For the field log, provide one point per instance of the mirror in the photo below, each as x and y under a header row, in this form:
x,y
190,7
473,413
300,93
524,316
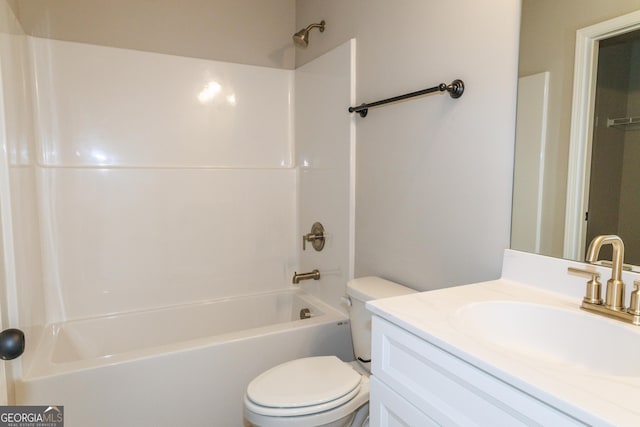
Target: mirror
x,y
545,106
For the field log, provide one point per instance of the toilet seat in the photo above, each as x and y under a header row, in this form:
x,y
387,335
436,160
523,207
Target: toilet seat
x,y
300,410
302,387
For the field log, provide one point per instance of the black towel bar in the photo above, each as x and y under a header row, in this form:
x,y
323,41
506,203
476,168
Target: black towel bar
x,y
455,89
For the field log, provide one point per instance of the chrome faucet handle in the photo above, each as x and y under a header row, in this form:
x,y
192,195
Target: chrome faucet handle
x,y
594,287
634,306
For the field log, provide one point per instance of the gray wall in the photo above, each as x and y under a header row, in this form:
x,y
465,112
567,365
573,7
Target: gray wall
x,y
434,175
255,32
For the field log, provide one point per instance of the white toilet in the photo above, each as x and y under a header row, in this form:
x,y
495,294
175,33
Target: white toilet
x,y
322,391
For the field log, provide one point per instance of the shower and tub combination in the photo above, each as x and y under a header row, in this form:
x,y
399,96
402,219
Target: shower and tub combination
x,y
154,226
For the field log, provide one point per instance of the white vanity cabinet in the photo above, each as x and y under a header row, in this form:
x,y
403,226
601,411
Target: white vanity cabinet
x,y
417,383
506,352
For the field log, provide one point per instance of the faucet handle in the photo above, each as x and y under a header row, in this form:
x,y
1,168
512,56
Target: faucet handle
x,y
634,306
592,294
316,237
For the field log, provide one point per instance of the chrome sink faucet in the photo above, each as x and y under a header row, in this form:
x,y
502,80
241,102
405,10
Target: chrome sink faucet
x,y
614,298
613,305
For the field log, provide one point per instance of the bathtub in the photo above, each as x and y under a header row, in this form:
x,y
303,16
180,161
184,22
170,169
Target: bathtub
x,y
183,365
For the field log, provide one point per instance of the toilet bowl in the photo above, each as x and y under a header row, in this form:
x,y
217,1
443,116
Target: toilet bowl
x,y
313,391
323,390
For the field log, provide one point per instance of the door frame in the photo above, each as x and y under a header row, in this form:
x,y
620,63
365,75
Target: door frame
x,y
7,260
582,111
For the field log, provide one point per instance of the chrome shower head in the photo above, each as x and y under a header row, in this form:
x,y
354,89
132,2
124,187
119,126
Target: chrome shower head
x,y
301,38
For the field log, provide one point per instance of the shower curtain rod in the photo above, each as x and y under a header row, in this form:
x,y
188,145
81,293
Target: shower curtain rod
x,y
455,89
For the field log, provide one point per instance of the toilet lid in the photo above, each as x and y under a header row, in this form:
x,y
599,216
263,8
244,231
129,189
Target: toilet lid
x,y
304,382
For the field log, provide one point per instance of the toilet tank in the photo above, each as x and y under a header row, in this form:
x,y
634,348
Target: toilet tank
x,y
360,291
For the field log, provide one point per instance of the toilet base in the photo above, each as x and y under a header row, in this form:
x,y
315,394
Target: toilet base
x,y
282,421
354,419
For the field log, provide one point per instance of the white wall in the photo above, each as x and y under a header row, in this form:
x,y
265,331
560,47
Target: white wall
x,y
152,194
434,174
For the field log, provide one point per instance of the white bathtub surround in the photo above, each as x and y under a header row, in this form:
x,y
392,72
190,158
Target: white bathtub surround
x,y
162,179
187,365
101,106
325,146
569,367
124,239
201,151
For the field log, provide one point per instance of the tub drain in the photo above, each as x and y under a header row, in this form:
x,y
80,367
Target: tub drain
x,y
305,313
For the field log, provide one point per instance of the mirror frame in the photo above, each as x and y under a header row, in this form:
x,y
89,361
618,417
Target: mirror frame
x,y
582,109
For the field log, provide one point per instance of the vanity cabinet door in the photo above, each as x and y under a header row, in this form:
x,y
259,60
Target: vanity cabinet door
x,y
388,409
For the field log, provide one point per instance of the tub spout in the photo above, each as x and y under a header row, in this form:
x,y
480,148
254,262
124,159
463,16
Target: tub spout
x,y
315,275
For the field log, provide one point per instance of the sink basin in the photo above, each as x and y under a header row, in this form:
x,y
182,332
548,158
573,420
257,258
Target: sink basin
x,y
560,338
